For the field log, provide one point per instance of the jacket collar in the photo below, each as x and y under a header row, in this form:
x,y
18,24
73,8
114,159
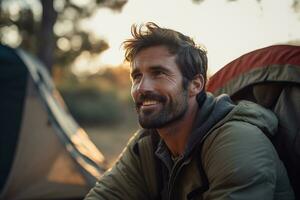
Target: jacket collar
x,y
211,111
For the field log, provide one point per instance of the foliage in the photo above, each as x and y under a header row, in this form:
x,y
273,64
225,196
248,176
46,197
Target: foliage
x,y
100,99
90,106
295,4
52,29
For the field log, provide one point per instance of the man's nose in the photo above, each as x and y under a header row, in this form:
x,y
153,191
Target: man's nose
x,y
144,85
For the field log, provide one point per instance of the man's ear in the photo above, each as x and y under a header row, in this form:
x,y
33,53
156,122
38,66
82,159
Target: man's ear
x,y
196,85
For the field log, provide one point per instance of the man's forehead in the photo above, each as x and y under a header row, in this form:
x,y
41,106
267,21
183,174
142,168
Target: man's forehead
x,y
153,56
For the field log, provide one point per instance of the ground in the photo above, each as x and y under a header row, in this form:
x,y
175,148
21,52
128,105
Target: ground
x,y
111,140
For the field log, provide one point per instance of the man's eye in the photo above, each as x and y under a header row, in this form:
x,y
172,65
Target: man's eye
x,y
158,73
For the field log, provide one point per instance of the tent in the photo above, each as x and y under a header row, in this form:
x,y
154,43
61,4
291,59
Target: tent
x,y
270,77
44,154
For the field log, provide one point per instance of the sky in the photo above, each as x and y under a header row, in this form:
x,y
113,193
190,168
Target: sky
x,y
227,29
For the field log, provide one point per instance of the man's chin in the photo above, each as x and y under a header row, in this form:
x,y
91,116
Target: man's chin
x,y
156,121
152,122
148,114
149,123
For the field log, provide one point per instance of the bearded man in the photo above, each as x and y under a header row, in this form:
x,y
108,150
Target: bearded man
x,y
192,145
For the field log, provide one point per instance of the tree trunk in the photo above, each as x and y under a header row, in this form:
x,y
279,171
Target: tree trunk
x,y
46,40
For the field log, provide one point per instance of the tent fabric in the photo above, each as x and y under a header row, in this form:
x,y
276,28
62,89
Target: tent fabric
x,y
13,78
270,77
52,158
274,63
70,133
42,167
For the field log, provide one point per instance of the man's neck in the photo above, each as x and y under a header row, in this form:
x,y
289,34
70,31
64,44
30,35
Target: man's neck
x,y
176,134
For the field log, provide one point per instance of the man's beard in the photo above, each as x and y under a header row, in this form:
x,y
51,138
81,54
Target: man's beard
x,y
169,112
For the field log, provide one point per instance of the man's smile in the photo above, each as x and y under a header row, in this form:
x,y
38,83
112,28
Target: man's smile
x,y
149,104
149,101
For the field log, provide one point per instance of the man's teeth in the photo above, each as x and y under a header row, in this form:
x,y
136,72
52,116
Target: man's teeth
x,y
150,102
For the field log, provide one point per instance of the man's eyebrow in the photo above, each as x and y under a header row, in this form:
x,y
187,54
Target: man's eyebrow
x,y
151,68
159,68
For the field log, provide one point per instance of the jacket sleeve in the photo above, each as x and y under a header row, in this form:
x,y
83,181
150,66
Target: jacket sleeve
x,y
124,180
240,163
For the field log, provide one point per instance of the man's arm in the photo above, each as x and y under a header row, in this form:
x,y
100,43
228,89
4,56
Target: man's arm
x,y
240,163
124,180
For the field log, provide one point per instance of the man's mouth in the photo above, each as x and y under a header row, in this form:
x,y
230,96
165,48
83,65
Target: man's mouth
x,y
149,103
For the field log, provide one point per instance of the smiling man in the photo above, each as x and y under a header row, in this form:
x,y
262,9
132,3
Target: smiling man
x,y
192,145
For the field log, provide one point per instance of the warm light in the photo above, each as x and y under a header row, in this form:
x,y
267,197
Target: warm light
x,y
64,44
85,64
227,29
11,36
64,27
76,42
112,56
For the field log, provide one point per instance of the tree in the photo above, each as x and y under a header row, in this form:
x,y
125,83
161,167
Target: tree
x,y
295,5
51,28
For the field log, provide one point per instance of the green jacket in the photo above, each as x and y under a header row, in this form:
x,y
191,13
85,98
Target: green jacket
x,y
229,141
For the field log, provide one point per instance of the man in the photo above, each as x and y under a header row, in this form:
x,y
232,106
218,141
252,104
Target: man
x,y
192,145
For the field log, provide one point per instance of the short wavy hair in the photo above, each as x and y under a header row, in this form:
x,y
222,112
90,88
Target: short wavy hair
x,y
190,58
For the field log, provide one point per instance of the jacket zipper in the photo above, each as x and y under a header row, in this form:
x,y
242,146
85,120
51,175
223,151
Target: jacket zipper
x,y
178,165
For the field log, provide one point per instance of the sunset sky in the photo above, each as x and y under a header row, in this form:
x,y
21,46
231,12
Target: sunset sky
x,y
227,29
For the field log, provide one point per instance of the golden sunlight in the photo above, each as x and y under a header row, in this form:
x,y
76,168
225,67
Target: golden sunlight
x,y
227,29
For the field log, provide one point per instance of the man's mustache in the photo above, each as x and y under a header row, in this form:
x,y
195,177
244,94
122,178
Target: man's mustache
x,y
149,96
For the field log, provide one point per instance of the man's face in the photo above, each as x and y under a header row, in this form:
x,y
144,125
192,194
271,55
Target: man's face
x,y
157,88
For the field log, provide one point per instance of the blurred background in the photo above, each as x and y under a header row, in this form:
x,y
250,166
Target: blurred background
x,y
80,43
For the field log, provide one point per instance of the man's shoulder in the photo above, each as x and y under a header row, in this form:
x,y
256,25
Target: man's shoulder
x,y
247,117
139,134
142,138
143,134
238,139
236,143
239,130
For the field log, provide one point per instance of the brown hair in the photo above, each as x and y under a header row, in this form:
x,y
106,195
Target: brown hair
x,y
190,58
